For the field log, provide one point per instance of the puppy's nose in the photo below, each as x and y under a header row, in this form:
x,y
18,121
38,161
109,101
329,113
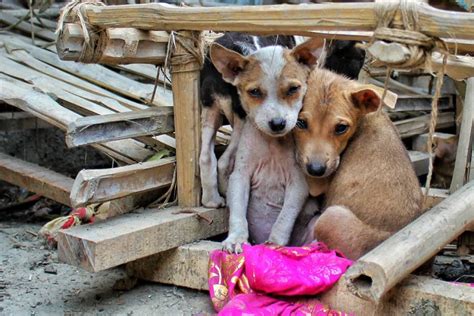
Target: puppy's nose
x,y
316,169
277,124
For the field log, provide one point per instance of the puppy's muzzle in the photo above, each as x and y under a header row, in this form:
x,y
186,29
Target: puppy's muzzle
x,y
316,169
277,125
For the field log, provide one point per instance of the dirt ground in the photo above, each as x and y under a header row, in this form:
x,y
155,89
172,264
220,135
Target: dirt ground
x,y
33,282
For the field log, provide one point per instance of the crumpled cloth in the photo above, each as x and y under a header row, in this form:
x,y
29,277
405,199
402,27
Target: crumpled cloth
x,y
271,280
78,216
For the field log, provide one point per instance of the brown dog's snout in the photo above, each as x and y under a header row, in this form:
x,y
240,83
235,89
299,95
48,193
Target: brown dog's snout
x,y
316,168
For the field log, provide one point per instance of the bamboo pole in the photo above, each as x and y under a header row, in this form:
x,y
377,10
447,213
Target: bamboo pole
x,y
275,19
376,273
187,119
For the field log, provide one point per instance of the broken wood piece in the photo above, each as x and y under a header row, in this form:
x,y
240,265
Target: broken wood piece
x,y
463,154
185,266
373,275
102,128
420,161
35,178
23,96
100,185
420,124
133,236
118,45
26,26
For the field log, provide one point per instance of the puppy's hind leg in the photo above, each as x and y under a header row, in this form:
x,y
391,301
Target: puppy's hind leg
x,y
340,228
211,120
225,165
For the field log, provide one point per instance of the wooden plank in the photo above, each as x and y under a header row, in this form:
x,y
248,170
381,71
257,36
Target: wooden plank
x,y
32,56
26,27
102,128
420,161
19,121
100,185
35,178
187,124
407,104
22,96
137,235
374,274
418,125
96,74
465,139
119,45
416,295
276,19
185,266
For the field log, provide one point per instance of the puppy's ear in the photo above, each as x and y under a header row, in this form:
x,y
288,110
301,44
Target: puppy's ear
x,y
227,62
366,99
309,52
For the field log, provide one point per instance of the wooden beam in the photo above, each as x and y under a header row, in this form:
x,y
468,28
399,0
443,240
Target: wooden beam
x,y
275,19
35,178
416,295
373,275
463,154
185,266
420,161
120,46
20,121
420,124
187,121
133,236
100,185
102,128
410,103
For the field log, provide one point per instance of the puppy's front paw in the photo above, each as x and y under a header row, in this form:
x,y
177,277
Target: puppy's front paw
x,y
233,243
214,201
278,239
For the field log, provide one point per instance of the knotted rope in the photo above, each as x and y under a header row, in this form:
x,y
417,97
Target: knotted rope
x,y
95,39
417,49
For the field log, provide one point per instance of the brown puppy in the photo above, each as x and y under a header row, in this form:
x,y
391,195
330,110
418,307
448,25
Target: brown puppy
x,y
352,152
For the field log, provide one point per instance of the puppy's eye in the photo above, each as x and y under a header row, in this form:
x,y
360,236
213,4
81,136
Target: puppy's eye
x,y
256,93
301,124
292,90
341,129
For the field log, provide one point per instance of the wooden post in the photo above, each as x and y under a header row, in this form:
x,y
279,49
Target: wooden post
x,y
187,119
465,136
373,275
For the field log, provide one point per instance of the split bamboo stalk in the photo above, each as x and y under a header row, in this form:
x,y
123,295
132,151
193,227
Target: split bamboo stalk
x,y
373,275
187,120
275,19
122,45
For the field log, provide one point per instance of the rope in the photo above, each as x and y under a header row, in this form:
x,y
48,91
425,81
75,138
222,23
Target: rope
x,y
419,47
95,39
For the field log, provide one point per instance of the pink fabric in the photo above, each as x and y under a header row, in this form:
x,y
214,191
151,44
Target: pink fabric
x,y
291,271
238,284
